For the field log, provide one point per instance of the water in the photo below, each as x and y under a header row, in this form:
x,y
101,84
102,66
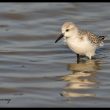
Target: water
x,y
36,72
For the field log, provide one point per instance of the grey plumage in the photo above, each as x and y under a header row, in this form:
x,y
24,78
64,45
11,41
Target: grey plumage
x,y
93,38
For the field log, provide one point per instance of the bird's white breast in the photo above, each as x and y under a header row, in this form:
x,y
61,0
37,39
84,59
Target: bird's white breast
x,y
80,46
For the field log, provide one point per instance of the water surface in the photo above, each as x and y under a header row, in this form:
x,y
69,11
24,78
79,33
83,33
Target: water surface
x,y
36,72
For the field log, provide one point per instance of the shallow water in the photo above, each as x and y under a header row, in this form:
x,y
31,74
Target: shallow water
x,y
36,72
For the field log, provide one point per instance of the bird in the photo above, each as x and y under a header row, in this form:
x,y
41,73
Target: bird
x,y
81,42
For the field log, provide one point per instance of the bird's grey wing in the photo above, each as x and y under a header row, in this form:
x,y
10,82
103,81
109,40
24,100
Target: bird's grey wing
x,y
91,37
94,39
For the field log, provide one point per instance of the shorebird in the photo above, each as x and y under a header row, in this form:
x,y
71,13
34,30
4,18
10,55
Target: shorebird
x,y
80,41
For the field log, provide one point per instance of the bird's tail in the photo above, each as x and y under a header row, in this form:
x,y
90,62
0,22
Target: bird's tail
x,y
101,39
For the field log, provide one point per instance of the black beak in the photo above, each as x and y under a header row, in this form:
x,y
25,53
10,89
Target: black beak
x,y
61,35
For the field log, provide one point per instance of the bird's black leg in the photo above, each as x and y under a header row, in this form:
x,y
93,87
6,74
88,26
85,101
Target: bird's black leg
x,y
78,58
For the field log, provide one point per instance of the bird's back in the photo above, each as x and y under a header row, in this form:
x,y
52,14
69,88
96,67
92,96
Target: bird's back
x,y
94,39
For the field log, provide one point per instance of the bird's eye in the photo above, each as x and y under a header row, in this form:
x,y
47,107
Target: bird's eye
x,y
67,30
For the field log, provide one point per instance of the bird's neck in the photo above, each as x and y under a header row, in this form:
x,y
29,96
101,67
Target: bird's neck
x,y
75,34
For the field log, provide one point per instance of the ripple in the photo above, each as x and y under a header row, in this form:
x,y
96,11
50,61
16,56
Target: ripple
x,y
34,71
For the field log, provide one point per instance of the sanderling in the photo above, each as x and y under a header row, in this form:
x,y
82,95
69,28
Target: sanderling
x,y
80,41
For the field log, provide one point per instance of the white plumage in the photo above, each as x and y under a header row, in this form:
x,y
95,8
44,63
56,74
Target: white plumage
x,y
80,41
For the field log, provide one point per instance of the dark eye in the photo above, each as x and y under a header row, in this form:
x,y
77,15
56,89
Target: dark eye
x,y
67,30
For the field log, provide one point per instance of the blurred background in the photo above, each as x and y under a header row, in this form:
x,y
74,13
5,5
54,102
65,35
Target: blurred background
x,y
36,72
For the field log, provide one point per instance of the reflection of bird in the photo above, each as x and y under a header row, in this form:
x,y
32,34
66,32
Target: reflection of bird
x,y
89,65
80,41
82,77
